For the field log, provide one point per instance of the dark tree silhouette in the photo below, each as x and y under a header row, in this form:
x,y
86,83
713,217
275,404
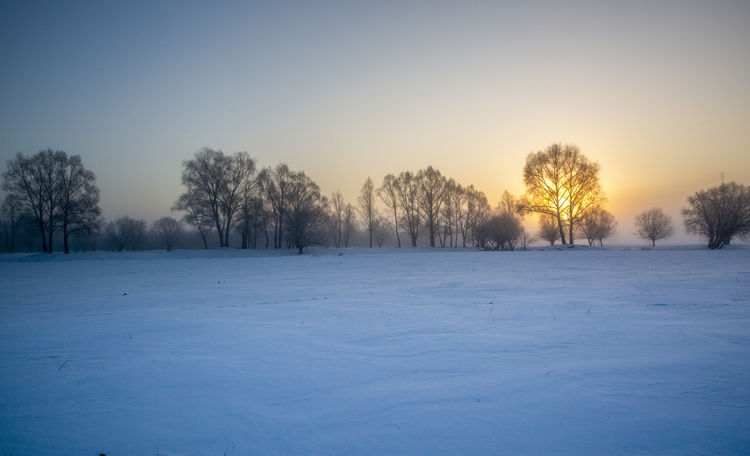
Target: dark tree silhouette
x,y
215,182
366,207
197,215
597,226
432,187
168,230
407,190
306,213
654,225
276,184
79,199
389,195
719,213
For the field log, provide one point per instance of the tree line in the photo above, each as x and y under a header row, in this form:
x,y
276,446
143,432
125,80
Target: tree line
x,y
51,195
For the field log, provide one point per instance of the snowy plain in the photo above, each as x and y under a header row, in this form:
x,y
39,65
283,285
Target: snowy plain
x,y
394,351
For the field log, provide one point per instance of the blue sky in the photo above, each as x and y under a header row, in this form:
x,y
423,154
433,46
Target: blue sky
x,y
657,92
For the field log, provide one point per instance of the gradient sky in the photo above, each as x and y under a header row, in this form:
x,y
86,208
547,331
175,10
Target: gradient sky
x,y
657,92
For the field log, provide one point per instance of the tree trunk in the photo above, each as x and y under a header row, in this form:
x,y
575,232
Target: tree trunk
x,y
65,237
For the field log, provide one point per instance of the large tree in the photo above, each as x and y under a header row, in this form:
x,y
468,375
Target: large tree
x,y
561,182
168,230
407,190
79,199
276,183
654,225
215,182
719,214
306,213
432,187
57,190
389,195
366,207
197,215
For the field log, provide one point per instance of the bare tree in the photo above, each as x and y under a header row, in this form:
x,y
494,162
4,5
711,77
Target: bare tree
x,y
432,187
366,206
548,229
126,232
335,220
407,190
499,232
306,213
597,226
719,214
197,215
349,224
215,182
476,210
389,195
448,214
12,216
136,233
277,184
526,238
381,231
35,180
168,230
79,198
563,183
654,225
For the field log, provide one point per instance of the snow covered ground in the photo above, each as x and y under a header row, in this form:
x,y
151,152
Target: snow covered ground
x,y
419,352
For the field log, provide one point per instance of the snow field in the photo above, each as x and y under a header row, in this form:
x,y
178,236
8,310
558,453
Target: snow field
x,y
403,352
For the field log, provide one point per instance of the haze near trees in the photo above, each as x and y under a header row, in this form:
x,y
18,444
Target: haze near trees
x,y
654,225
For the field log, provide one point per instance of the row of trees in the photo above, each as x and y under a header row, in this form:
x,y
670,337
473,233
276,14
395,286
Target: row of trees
x,y
54,195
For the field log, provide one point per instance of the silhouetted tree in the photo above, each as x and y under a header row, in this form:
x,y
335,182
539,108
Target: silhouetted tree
x,y
335,220
597,226
366,207
12,217
306,213
449,213
79,198
381,231
349,224
277,183
500,232
563,183
407,190
654,225
548,229
35,180
126,232
215,182
475,210
197,215
719,213
168,230
389,195
432,186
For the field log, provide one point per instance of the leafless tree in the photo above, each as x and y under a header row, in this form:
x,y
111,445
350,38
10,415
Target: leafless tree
x,y
366,206
79,198
389,195
197,215
449,213
597,226
35,180
12,216
654,225
719,214
432,187
499,232
381,231
215,182
168,230
335,220
475,212
407,190
349,224
548,229
277,184
126,232
563,183
306,213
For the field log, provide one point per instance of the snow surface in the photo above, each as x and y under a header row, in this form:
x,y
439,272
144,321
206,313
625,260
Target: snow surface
x,y
419,352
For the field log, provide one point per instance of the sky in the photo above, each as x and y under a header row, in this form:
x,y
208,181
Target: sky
x,y
657,92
